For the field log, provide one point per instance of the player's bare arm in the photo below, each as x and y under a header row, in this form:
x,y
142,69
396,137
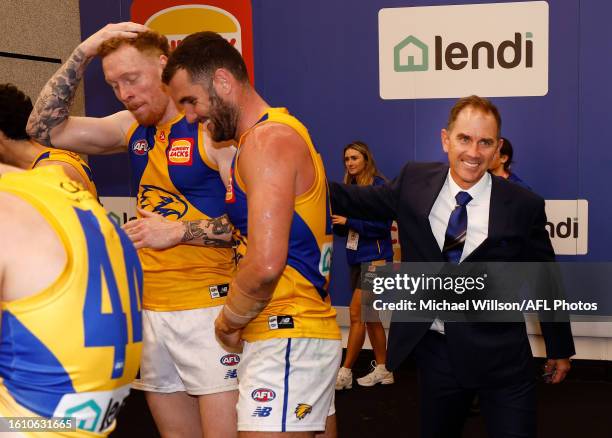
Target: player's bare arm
x,y
272,191
50,122
215,232
154,231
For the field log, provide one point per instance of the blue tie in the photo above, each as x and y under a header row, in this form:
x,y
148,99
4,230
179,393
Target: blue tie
x,y
454,239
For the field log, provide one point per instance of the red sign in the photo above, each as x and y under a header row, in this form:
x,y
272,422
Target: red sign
x,y
178,18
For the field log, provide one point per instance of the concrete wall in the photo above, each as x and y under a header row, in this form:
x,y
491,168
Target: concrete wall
x,y
44,28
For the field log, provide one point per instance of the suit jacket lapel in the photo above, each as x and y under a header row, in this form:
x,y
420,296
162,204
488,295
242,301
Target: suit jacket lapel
x,y
499,217
429,189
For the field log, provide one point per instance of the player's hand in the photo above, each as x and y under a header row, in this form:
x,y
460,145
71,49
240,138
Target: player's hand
x,y
154,231
338,220
555,370
230,339
122,30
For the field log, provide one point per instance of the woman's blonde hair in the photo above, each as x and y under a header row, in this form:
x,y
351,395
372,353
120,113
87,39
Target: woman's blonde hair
x,y
366,177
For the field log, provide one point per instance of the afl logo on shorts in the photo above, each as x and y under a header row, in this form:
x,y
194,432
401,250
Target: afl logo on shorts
x,y
180,152
230,360
140,147
263,395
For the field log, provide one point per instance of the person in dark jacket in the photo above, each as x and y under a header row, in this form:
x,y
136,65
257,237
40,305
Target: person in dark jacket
x,y
367,241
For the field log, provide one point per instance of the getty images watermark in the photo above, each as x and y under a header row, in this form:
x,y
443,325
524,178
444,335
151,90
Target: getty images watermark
x,y
488,292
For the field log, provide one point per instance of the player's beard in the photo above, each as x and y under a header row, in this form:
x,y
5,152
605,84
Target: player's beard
x,y
155,113
223,119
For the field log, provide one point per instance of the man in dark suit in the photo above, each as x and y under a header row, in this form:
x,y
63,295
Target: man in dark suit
x,y
454,213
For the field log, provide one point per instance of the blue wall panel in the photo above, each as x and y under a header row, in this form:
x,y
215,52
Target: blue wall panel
x,y
319,58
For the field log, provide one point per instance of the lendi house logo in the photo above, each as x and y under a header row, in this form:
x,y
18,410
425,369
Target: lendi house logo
x,y
430,52
457,56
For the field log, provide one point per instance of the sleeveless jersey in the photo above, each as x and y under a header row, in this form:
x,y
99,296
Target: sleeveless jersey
x,y
300,306
72,349
173,177
50,154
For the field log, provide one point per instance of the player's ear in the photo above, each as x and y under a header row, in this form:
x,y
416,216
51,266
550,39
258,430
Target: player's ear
x,y
222,80
163,60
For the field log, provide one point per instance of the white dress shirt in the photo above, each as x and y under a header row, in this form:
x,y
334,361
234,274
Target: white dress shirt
x,y
477,214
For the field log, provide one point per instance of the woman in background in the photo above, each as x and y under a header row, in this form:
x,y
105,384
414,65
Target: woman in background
x,y
367,241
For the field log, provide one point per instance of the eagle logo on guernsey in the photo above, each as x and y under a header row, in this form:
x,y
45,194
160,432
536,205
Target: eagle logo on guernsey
x,y
301,410
263,395
180,152
140,147
160,201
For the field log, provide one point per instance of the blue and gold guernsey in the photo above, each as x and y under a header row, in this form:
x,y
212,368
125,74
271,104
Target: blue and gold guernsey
x,y
73,349
300,306
50,154
174,177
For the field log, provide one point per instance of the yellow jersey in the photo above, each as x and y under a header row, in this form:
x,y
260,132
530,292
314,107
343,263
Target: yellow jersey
x,y
174,177
73,349
50,154
300,306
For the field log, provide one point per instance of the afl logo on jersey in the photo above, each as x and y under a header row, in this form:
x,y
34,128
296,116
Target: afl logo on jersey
x,y
230,360
140,147
180,152
263,395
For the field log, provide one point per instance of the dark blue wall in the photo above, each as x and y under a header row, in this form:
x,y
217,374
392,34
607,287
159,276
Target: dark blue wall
x,y
319,58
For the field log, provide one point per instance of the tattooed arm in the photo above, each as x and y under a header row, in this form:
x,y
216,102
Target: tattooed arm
x,y
50,122
154,231
214,232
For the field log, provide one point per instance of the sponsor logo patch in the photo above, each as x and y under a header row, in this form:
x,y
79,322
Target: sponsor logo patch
x,y
180,152
218,290
231,374
263,395
276,322
230,360
301,410
140,147
262,411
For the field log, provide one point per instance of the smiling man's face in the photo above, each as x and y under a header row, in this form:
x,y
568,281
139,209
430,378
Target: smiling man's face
x,y
200,105
471,144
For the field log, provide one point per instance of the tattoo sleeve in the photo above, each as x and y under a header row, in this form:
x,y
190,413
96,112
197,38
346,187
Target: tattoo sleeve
x,y
53,105
214,232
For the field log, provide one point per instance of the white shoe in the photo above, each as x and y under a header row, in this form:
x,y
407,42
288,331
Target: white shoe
x,y
344,380
379,374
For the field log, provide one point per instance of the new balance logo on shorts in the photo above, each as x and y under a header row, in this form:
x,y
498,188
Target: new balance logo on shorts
x,y
276,322
218,290
262,411
231,374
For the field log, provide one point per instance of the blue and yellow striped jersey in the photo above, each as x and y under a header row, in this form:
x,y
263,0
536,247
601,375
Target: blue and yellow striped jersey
x,y
174,177
50,154
300,305
73,349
